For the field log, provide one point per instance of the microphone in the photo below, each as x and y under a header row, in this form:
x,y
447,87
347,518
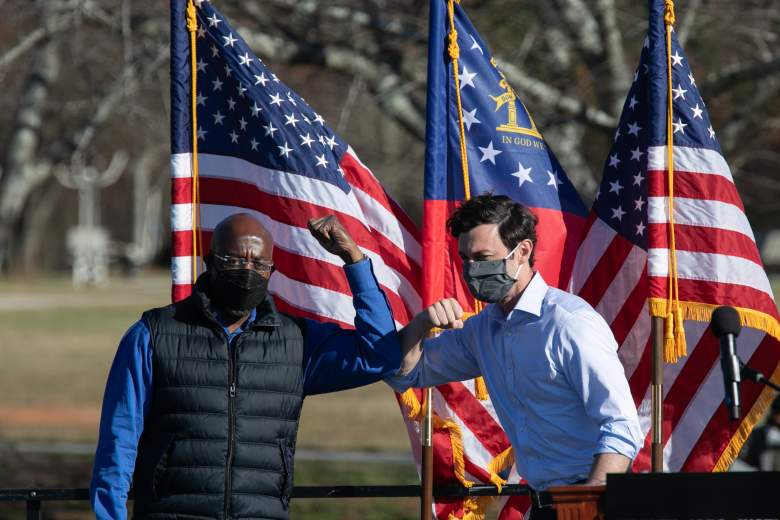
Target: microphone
x,y
726,327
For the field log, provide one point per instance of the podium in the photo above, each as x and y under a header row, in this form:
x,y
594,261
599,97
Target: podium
x,y
671,496
577,502
689,496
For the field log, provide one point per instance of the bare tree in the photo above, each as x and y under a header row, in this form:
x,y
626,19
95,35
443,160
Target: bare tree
x,y
83,76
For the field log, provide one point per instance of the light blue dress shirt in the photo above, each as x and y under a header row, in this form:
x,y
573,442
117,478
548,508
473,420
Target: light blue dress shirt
x,y
553,375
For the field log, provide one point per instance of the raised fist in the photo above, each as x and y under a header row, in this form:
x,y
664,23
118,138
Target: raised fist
x,y
445,314
331,235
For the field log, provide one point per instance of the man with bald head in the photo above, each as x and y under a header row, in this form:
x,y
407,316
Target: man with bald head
x,y
202,402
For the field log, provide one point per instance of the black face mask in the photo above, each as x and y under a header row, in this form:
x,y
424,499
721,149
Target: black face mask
x,y
237,291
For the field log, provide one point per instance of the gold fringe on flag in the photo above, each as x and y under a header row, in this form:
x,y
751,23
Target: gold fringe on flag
x,y
456,441
412,404
695,311
749,318
732,449
480,389
502,461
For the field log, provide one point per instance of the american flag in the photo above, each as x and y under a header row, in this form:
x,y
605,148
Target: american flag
x,y
263,150
622,265
506,155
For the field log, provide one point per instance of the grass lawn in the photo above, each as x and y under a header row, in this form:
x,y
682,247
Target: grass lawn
x,y
58,344
56,347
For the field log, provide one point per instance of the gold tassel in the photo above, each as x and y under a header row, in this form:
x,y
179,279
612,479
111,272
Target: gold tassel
x,y
681,349
480,389
669,351
474,508
412,404
458,463
502,461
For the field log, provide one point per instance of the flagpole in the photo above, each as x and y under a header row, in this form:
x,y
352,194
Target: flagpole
x,y
426,502
657,396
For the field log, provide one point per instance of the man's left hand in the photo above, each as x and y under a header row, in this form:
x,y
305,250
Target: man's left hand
x,y
332,235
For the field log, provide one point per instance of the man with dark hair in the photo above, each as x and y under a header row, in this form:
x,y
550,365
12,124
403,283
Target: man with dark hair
x,y
549,360
202,402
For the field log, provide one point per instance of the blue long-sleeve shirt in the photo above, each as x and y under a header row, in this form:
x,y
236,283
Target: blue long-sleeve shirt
x,y
554,377
334,359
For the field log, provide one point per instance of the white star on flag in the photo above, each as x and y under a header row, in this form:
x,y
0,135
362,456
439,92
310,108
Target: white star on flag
x,y
489,153
475,45
554,180
618,213
229,40
284,150
306,140
523,174
679,92
290,120
467,78
276,99
470,118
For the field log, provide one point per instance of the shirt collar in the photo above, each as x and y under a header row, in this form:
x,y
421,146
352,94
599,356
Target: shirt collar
x,y
530,301
225,322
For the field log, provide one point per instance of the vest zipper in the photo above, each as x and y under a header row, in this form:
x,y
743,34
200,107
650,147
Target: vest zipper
x,y
232,361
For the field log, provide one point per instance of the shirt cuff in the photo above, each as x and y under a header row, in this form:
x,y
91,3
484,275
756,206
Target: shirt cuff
x,y
360,276
616,443
403,383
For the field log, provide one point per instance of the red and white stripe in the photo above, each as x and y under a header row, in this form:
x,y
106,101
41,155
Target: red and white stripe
x,y
309,281
718,263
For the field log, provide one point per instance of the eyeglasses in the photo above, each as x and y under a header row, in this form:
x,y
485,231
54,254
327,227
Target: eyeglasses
x,y
234,262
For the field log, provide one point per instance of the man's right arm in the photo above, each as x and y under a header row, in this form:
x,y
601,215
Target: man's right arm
x,y
444,359
125,403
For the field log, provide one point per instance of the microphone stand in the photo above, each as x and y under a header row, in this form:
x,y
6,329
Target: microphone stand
x,y
754,375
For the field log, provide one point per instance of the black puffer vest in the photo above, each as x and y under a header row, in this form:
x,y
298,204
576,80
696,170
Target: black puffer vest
x,y
219,436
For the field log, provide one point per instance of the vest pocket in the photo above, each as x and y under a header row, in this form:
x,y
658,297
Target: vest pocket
x,y
161,467
287,449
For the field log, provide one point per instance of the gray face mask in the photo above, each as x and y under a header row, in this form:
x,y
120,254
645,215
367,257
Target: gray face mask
x,y
488,280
